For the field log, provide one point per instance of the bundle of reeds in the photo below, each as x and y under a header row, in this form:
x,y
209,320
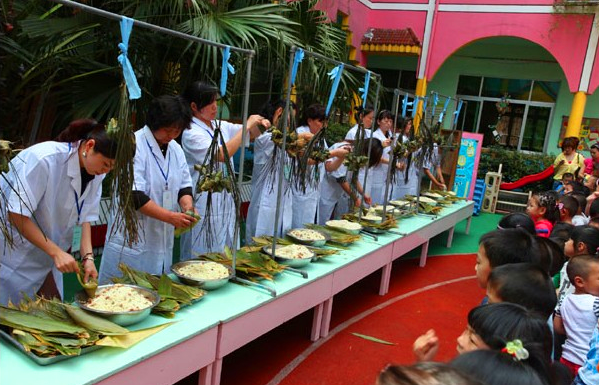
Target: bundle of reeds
x,y
338,237
250,265
315,152
260,242
387,224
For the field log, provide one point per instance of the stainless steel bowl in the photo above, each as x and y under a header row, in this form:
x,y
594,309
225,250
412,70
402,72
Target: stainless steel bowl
x,y
354,232
315,243
292,262
206,284
121,318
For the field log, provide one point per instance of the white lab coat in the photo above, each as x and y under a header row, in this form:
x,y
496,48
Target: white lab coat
x,y
351,134
378,174
305,204
263,204
47,176
400,187
196,142
153,253
331,193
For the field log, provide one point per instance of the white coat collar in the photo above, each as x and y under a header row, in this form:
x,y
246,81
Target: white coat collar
x,y
154,146
203,125
74,168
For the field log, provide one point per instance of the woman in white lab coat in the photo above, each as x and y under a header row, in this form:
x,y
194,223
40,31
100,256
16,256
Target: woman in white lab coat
x,y
305,203
380,172
365,115
406,181
202,98
337,182
54,194
162,184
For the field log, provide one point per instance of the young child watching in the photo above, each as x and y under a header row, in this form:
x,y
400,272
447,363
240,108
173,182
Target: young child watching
x,y
524,284
580,218
517,220
578,313
568,207
543,210
567,178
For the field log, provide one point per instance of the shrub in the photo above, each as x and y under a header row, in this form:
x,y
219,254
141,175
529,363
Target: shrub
x,y
336,132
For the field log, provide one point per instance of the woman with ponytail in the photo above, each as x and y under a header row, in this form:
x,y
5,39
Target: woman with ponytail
x,y
51,195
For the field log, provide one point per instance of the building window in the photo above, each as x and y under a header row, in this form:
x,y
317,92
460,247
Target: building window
x,y
402,79
525,124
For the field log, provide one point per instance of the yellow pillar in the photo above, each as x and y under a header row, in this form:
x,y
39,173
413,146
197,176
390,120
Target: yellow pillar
x,y
421,92
575,119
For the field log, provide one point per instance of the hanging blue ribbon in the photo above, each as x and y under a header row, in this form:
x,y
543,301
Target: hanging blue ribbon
x,y
336,75
444,110
404,106
424,104
414,105
435,100
224,71
128,73
297,59
364,90
457,112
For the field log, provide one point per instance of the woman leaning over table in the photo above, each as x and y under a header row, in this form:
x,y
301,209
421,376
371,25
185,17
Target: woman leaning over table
x,y
202,98
161,183
53,192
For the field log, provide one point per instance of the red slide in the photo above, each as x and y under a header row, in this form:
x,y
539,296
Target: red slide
x,y
527,179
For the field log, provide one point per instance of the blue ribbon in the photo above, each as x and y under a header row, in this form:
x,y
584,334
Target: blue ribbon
x,y
336,75
457,112
128,73
224,71
364,90
435,100
404,106
425,102
297,59
444,110
414,105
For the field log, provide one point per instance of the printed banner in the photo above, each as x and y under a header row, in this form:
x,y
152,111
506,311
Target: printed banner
x,y
467,167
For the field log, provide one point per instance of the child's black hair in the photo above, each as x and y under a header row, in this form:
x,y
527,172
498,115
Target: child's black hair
x,y
509,246
568,175
315,112
424,373
517,220
594,209
568,203
562,230
580,266
524,284
548,200
589,236
582,200
551,254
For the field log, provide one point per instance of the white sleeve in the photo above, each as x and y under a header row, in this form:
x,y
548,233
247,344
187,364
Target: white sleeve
x,y
28,177
91,209
195,144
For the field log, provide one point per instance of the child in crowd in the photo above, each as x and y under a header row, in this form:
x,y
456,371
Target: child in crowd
x,y
584,240
565,188
593,162
524,284
568,208
578,313
517,220
580,218
543,210
594,222
501,247
424,373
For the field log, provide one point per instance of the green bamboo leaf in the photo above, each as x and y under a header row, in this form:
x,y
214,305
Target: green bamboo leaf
x,y
373,339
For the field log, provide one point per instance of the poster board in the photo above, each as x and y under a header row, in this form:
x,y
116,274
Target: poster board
x,y
467,165
589,133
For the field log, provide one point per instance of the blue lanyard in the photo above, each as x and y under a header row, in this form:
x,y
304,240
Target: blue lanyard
x,y
165,176
79,208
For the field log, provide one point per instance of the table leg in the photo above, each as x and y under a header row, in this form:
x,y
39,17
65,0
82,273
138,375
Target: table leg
x,y
217,368
317,322
326,317
468,225
205,375
450,237
385,279
423,254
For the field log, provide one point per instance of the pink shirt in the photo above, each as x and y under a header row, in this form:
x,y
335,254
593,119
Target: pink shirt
x,y
588,165
543,228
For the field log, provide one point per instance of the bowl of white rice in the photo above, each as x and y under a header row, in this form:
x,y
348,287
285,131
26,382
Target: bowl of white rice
x,y
120,303
291,255
308,237
205,274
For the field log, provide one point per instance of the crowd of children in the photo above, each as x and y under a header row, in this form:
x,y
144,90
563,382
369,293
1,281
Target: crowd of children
x,y
538,323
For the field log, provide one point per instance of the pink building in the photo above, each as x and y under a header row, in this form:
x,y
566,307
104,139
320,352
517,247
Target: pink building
x,y
541,53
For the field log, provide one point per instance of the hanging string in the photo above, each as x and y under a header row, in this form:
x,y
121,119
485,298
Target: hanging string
x,y
457,112
442,114
225,69
364,90
335,74
128,73
297,59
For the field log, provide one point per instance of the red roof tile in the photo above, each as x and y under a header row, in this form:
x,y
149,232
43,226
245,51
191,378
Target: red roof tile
x,y
392,36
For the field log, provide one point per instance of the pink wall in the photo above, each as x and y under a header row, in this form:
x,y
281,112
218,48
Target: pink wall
x,y
565,37
594,83
499,2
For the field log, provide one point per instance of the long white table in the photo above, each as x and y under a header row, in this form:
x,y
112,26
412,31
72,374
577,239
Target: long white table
x,y
234,315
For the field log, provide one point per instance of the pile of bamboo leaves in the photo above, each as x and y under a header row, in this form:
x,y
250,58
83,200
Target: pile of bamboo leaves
x,y
250,265
49,328
260,242
389,223
338,237
173,295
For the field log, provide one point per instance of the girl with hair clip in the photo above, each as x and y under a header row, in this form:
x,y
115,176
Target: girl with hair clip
x,y
583,240
162,187
202,98
305,203
567,161
543,208
54,195
380,171
424,373
364,115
